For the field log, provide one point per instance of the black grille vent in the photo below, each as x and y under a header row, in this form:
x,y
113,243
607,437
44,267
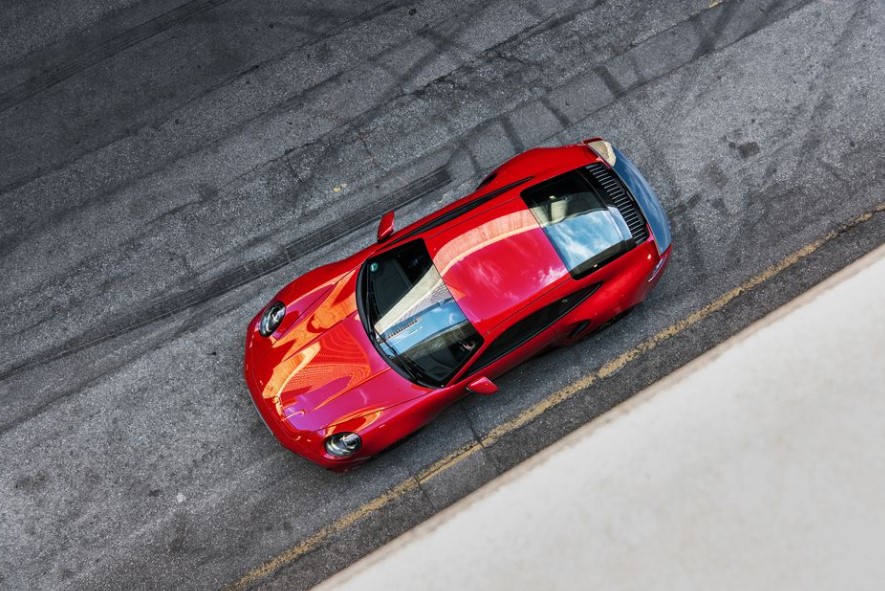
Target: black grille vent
x,y
611,185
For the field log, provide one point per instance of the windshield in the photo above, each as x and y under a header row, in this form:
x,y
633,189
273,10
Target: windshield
x,y
586,232
412,318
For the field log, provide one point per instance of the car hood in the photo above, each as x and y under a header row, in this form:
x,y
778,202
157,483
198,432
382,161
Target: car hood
x,y
323,369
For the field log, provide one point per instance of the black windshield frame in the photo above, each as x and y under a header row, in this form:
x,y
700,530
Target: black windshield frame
x,y
452,340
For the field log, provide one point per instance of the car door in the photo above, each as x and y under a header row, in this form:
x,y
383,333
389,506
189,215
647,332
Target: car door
x,y
525,337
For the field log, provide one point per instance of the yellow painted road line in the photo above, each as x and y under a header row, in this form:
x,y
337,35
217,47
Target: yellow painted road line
x,y
527,416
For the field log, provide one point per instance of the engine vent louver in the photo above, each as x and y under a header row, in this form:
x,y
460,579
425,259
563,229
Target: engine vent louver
x,y
611,185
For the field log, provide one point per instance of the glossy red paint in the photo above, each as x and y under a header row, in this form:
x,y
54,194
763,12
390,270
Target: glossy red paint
x,y
385,228
319,373
503,247
482,385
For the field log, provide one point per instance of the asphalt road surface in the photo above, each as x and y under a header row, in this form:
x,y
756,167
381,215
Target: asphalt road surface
x,y
166,166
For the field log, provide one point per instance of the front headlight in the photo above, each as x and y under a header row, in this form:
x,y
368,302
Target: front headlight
x,y
342,445
271,318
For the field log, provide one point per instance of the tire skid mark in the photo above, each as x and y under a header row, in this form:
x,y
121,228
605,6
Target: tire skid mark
x,y
105,50
232,79
253,270
291,102
133,37
243,274
236,278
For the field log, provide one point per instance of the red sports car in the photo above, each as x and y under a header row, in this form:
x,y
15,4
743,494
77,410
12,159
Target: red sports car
x,y
355,355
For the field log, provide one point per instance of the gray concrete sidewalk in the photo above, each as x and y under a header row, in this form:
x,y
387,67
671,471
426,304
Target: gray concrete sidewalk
x,y
761,465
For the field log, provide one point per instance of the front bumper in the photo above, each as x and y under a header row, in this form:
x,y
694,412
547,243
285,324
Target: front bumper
x,y
378,430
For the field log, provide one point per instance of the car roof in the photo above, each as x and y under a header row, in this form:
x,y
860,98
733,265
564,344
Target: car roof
x,y
496,262
488,247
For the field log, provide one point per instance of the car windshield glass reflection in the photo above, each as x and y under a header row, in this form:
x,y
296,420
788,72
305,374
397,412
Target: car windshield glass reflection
x,y
586,232
412,317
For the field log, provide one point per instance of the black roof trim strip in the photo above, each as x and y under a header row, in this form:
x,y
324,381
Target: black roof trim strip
x,y
460,210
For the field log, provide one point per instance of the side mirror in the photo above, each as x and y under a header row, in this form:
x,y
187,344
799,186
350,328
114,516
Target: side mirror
x,y
483,386
385,228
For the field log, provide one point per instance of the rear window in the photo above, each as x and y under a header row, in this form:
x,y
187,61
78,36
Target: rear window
x,y
585,229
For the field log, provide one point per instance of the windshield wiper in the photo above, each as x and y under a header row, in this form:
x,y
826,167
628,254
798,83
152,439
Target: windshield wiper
x,y
409,367
401,361
414,370
369,299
